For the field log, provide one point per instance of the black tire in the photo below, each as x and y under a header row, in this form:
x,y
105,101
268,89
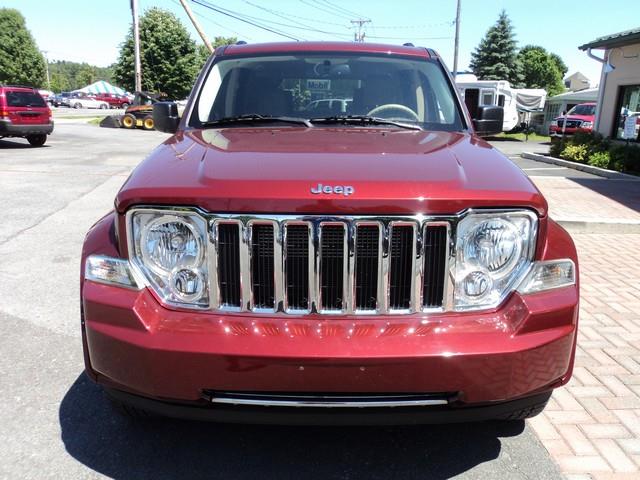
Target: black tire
x,y
125,105
77,105
523,414
129,411
148,123
104,107
37,140
128,121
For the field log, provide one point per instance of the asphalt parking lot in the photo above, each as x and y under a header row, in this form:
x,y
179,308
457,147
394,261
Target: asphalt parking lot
x,y
55,424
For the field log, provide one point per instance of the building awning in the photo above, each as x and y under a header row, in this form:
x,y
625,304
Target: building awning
x,y
619,39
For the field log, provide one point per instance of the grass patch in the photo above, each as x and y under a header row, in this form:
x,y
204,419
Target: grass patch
x,y
96,120
533,137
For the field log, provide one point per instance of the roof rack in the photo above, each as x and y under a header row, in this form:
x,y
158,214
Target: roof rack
x,y
408,44
18,86
241,42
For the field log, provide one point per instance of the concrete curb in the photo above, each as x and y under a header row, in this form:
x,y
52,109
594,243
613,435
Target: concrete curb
x,y
601,172
599,226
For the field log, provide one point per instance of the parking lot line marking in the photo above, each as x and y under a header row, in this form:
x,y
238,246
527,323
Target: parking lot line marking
x,y
544,168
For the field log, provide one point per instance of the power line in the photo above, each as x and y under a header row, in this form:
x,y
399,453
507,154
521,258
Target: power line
x,y
262,27
288,16
299,25
331,12
219,25
342,9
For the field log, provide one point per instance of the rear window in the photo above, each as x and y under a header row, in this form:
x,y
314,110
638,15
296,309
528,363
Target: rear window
x,y
24,99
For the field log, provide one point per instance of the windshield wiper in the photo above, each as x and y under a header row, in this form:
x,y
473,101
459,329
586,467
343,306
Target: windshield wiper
x,y
365,120
256,118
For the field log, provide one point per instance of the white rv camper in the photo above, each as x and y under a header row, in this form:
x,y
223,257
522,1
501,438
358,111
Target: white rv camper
x,y
518,103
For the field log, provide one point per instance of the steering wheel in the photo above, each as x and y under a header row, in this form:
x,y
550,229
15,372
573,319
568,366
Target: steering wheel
x,y
394,106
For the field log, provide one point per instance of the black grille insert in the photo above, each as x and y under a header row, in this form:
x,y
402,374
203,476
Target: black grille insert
x,y
400,266
331,266
435,251
229,264
262,279
366,281
297,266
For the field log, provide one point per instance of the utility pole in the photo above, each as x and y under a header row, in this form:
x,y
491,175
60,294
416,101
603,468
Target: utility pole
x,y
456,41
197,26
359,35
136,46
46,64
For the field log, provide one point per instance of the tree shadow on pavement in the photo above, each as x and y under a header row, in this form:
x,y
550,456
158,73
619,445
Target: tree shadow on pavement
x,y
121,448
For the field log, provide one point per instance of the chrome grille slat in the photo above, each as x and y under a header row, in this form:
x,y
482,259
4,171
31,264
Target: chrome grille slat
x,y
330,265
228,237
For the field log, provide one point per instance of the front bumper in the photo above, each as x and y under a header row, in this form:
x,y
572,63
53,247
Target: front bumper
x,y
136,345
9,129
477,359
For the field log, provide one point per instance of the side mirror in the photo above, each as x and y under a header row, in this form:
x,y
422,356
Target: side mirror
x,y
165,116
489,120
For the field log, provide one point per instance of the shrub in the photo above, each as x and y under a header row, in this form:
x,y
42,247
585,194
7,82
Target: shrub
x,y
599,159
575,153
625,158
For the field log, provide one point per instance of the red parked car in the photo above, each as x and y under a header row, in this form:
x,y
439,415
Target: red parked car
x,y
113,99
579,119
383,264
24,113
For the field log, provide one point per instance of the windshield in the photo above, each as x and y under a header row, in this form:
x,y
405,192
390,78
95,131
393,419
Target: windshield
x,y
313,86
583,110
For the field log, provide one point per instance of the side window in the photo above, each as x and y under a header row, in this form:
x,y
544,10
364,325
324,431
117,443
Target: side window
x,y
487,97
501,100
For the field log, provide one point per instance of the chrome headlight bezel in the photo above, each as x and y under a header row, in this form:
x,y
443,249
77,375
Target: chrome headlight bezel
x,y
504,280
162,279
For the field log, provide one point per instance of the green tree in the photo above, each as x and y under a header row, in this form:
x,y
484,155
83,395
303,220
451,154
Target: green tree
x,y
20,60
169,58
86,76
540,69
495,58
562,67
203,51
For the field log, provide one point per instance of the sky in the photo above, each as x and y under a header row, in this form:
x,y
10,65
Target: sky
x,y
91,31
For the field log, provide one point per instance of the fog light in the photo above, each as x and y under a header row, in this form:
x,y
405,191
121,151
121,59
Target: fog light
x,y
188,284
549,274
476,284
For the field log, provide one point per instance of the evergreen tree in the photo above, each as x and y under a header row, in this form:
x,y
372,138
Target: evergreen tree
x,y
495,58
168,56
21,63
540,69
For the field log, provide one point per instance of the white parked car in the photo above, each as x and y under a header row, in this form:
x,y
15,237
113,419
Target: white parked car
x,y
87,102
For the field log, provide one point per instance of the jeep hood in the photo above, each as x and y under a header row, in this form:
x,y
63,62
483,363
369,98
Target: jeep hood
x,y
272,170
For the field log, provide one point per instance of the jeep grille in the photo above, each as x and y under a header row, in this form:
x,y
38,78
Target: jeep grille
x,y
328,265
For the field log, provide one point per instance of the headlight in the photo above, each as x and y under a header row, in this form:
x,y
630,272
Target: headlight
x,y
587,124
554,123
493,253
170,250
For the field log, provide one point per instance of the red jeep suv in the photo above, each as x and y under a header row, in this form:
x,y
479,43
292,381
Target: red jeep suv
x,y
381,264
24,113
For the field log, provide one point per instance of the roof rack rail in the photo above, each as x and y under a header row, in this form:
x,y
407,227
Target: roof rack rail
x,y
18,86
408,44
241,42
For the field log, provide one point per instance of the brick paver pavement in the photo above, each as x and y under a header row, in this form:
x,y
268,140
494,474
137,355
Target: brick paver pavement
x,y
591,199
591,427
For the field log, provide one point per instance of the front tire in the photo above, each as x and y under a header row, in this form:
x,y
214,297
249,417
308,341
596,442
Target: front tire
x,y
37,140
103,107
129,121
77,105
